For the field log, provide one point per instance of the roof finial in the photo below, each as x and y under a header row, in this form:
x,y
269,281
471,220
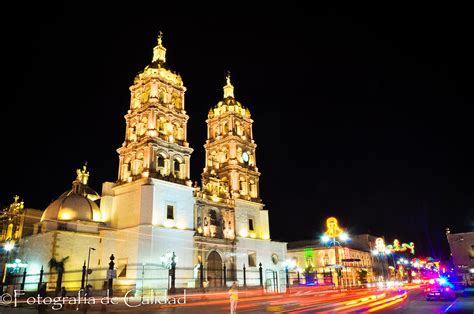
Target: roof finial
x,y
228,78
160,36
228,88
159,52
82,175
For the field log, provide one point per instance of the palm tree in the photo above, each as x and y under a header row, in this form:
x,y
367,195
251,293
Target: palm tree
x,y
58,265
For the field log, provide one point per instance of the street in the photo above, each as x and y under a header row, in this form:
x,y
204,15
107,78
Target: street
x,y
408,299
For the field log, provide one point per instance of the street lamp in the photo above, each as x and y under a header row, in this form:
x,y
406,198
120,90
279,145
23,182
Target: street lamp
x,y
88,260
325,239
344,237
334,231
9,246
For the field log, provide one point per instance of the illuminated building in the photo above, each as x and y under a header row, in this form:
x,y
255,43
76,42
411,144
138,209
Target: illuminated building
x,y
153,208
16,222
369,243
324,259
462,254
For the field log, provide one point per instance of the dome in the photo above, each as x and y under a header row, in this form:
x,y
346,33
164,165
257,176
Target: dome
x,y
229,101
75,204
71,206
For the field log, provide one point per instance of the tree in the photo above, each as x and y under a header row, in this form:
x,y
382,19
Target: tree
x,y
58,265
362,274
309,273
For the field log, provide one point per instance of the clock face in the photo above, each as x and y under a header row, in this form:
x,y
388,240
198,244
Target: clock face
x,y
245,156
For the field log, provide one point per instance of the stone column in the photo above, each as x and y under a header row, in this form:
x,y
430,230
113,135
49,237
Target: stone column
x,y
120,168
188,167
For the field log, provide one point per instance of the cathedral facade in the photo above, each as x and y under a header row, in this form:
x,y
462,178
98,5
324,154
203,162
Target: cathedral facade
x,y
154,211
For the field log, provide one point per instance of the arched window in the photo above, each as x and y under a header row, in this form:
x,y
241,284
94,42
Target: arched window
x,y
176,100
162,95
139,164
224,155
160,161
178,168
253,189
126,169
132,135
239,154
180,134
238,128
243,186
176,165
160,124
143,126
225,128
213,217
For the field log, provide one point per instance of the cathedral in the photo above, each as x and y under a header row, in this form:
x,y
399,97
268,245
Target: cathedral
x,y
153,211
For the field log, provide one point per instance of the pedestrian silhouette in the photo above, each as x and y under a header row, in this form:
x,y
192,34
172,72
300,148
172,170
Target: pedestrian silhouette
x,y
234,298
63,292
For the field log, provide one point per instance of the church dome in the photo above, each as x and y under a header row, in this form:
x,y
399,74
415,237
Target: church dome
x,y
72,206
75,204
229,101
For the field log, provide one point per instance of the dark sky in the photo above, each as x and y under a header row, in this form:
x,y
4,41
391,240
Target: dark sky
x,y
361,113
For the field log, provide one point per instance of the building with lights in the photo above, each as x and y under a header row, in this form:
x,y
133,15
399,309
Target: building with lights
x,y
462,254
154,209
381,258
324,261
16,222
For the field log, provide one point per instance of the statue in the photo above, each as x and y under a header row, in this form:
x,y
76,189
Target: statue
x,y
196,271
160,38
82,175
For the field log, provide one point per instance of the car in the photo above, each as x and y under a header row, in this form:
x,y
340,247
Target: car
x,y
439,292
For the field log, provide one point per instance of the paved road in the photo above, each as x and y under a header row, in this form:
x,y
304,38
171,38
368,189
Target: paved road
x,y
416,303
298,301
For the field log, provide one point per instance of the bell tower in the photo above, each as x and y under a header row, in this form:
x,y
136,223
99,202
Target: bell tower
x,y
155,139
230,148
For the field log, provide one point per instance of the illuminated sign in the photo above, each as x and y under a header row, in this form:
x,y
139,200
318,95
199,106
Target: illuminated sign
x,y
380,245
17,264
333,229
396,247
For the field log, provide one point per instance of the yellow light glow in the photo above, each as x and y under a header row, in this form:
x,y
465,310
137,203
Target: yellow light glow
x,y
181,225
333,229
103,216
215,198
253,235
265,236
96,216
244,233
65,216
169,223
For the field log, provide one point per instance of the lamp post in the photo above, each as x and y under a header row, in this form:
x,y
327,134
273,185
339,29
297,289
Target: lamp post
x,y
88,261
334,231
8,247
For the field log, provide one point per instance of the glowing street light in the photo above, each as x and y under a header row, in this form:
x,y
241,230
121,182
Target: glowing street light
x,y
344,237
333,231
9,246
325,238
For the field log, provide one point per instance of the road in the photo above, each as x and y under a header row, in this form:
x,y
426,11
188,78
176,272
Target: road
x,y
416,303
299,300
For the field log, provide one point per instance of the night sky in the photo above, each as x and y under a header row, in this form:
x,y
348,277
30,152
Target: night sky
x,y
362,114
